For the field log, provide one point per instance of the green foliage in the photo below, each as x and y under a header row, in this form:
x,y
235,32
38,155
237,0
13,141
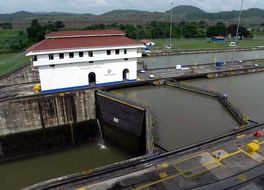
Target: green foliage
x,y
217,30
6,25
157,29
242,33
36,32
59,24
12,41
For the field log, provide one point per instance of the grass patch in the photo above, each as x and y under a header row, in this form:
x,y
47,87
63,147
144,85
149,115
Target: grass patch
x,y
12,40
199,44
10,62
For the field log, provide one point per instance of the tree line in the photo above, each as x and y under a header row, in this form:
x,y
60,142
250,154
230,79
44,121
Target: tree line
x,y
152,30
156,29
18,41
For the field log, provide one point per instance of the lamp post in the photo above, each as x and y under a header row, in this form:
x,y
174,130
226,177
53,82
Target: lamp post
x,y
171,23
237,30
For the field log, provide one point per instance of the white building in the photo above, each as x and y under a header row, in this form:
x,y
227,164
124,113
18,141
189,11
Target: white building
x,y
74,59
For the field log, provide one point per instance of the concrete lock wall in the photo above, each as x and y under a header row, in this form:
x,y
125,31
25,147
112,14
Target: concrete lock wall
x,y
125,123
36,112
24,74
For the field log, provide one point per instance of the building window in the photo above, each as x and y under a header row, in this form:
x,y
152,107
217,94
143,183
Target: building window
x,y
90,61
51,57
71,55
35,58
81,54
117,51
61,56
126,59
125,51
90,53
108,52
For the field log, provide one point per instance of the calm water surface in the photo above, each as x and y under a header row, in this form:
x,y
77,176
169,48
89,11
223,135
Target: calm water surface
x,y
171,61
246,92
182,117
22,173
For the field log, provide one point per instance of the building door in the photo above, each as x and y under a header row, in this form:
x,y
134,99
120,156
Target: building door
x,y
92,78
125,74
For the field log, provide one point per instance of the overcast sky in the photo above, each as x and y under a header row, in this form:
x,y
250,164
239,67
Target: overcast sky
x,y
101,6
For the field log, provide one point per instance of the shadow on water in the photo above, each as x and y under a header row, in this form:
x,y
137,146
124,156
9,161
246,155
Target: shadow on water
x,y
33,157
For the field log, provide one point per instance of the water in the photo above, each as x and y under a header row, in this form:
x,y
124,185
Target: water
x,y
22,173
246,92
182,117
171,61
101,140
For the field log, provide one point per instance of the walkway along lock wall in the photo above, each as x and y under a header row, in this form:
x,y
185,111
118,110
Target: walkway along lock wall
x,y
125,123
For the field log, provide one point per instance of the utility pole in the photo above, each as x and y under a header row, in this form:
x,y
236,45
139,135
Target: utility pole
x,y
237,31
171,24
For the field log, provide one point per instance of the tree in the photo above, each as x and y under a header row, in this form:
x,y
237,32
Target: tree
x,y
242,32
59,24
6,25
217,30
189,30
35,32
202,24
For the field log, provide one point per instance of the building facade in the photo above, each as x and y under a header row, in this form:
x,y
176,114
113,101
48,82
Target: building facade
x,y
74,59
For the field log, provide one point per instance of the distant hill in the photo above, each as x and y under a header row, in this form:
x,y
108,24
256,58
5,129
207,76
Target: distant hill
x,y
16,15
133,15
250,13
121,13
25,15
184,10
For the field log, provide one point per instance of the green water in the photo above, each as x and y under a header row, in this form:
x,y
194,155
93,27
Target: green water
x,y
22,173
182,118
246,92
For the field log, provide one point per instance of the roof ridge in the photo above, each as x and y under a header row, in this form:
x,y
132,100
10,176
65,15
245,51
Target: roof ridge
x,y
84,33
86,42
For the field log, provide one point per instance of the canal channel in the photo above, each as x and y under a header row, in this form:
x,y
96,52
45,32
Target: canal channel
x,y
202,58
22,173
180,118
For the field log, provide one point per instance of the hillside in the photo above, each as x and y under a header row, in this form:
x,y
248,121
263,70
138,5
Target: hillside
x,y
183,12
250,13
17,15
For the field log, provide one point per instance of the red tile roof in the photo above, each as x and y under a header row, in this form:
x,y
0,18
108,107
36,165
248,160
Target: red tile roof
x,y
84,33
53,44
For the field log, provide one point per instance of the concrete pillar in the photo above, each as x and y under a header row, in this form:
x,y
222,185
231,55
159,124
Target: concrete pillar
x,y
72,133
149,132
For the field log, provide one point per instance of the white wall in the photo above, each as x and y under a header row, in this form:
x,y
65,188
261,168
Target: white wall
x,y
98,55
76,74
